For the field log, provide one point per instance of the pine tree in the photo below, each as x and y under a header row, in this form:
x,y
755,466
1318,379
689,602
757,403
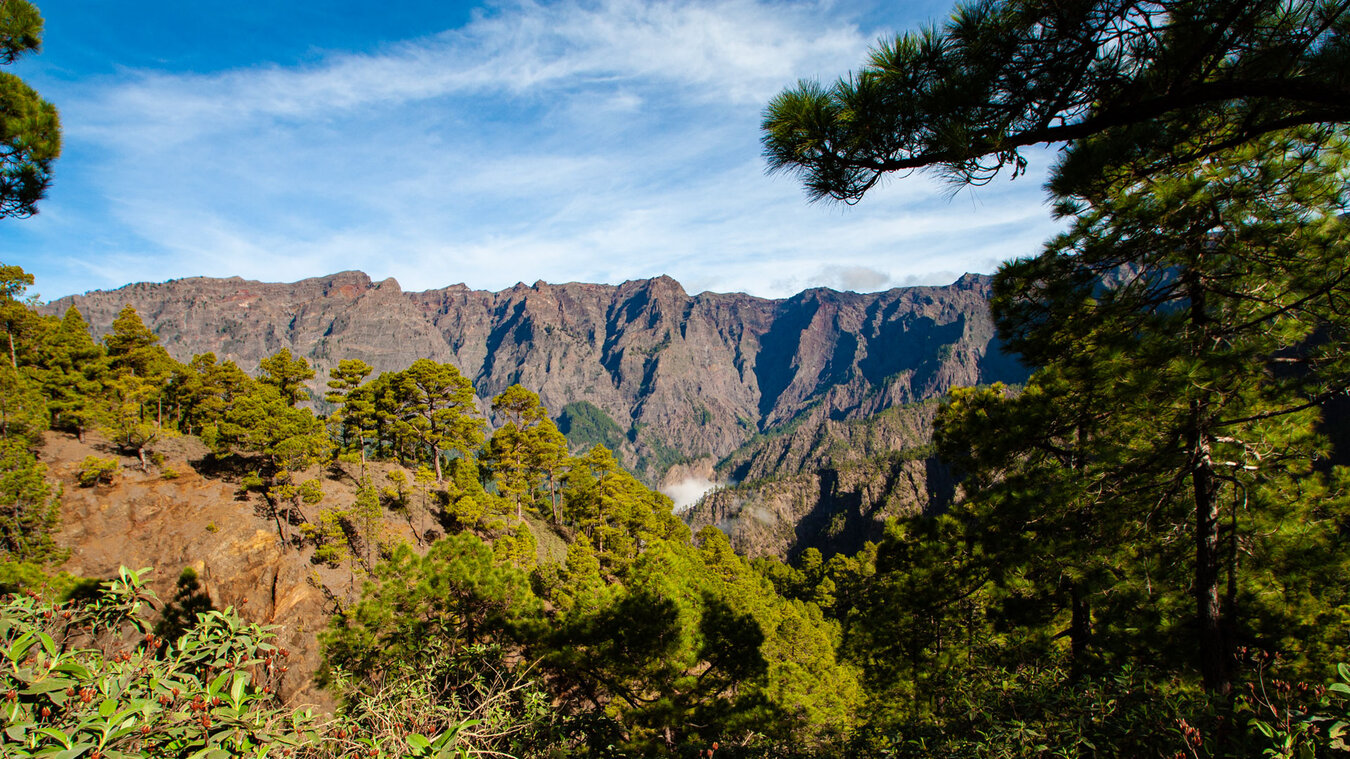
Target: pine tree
x,y
287,374
1130,89
30,130
71,367
1188,330
354,419
435,407
30,508
15,316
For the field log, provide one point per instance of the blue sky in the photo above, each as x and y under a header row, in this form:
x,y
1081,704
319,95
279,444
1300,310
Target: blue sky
x,y
491,143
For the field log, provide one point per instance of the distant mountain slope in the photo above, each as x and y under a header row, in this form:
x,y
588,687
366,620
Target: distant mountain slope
x,y
826,484
684,377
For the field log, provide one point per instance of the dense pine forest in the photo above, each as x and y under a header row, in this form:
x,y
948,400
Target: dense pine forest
x,y
1146,554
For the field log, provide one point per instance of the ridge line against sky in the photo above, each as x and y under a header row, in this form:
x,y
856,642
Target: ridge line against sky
x,y
437,143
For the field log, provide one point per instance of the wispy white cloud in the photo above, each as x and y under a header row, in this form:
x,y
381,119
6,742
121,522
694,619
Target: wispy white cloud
x,y
595,140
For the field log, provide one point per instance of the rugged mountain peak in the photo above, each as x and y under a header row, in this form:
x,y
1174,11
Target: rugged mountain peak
x,y
685,377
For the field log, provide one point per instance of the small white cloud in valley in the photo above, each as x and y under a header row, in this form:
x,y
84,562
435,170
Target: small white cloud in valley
x,y
686,492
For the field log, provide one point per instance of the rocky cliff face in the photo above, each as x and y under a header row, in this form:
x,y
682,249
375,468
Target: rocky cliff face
x,y
826,484
687,377
833,509
146,520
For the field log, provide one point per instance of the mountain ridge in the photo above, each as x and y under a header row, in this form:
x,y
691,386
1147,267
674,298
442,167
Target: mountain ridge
x,y
686,377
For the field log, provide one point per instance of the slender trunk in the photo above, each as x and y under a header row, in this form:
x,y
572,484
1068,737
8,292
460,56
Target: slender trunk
x,y
1080,627
1213,647
1213,654
13,358
553,498
283,525
436,454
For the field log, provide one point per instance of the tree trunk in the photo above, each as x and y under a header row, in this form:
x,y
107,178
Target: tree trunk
x,y
1080,627
1213,645
13,358
436,454
283,525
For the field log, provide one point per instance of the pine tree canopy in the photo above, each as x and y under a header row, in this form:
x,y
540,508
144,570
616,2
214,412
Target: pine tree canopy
x,y
30,130
1127,85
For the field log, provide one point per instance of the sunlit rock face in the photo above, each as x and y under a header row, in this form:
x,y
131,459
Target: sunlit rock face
x,y
686,377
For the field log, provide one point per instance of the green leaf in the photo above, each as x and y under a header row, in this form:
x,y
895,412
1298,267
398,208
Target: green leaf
x,y
48,644
237,689
418,741
48,685
55,735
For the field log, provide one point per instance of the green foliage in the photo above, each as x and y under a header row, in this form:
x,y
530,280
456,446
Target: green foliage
x,y
86,678
586,425
690,646
290,440
30,130
433,404
526,450
30,509
204,390
133,349
287,374
446,706
455,593
96,471
23,415
354,421
79,682
70,368
999,76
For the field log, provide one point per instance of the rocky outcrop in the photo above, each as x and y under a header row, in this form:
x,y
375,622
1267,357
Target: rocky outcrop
x,y
834,509
686,377
826,484
168,523
814,440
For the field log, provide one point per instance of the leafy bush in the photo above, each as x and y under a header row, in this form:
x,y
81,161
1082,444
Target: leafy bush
x,y
96,471
88,678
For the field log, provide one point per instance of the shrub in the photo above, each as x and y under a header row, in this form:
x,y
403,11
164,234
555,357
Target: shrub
x,y
96,471
88,678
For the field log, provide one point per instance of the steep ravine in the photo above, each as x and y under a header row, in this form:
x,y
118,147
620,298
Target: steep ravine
x,y
826,484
